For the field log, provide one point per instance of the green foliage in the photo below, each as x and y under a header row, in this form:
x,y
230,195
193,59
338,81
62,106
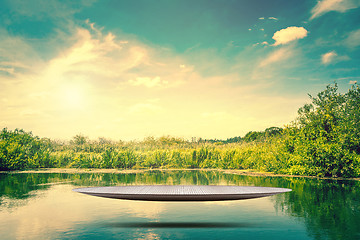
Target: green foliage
x,y
21,150
262,135
79,140
325,138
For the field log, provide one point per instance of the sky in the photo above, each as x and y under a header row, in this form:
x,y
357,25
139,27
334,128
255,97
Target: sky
x,y
128,70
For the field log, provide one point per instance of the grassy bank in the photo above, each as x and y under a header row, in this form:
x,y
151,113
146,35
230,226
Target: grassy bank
x,y
323,141
268,155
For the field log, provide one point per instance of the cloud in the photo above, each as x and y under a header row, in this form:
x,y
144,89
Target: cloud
x,y
328,57
353,40
117,60
289,34
16,54
349,79
265,43
98,55
332,57
276,56
270,18
325,6
7,70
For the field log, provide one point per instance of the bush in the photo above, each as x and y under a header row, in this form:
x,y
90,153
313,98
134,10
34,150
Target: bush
x,y
20,150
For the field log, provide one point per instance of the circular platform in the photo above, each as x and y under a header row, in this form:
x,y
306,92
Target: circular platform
x,y
181,192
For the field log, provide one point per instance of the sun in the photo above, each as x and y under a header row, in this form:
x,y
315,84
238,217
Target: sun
x,y
73,97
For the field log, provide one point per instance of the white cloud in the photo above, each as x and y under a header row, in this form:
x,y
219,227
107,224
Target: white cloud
x,y
332,57
352,82
270,18
9,70
188,68
353,40
103,56
265,43
325,6
16,54
289,34
328,57
276,56
100,55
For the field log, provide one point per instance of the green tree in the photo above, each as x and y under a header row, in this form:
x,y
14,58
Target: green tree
x,y
20,150
325,138
253,135
79,139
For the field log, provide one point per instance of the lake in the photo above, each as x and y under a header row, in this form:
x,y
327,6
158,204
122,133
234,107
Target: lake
x,y
43,206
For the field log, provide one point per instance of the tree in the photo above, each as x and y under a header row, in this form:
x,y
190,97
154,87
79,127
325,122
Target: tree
x,y
79,139
326,134
273,131
253,135
20,150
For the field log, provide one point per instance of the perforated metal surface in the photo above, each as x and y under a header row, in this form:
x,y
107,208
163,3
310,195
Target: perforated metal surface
x,y
181,192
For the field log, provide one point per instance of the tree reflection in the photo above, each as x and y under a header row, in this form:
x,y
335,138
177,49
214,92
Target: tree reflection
x,y
330,209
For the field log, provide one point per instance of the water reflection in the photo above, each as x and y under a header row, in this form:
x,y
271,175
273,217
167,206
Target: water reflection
x,y
330,209
42,204
179,225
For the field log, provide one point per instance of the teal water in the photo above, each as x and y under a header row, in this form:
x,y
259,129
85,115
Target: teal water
x,y
43,206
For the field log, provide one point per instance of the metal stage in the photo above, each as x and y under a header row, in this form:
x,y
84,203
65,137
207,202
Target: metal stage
x,y
182,192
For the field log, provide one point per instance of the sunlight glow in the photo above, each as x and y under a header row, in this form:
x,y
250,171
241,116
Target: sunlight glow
x,y
72,97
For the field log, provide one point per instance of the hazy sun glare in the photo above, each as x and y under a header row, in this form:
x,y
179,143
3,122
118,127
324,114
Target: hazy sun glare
x,y
73,97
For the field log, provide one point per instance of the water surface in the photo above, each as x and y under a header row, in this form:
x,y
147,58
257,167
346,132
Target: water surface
x,y
43,206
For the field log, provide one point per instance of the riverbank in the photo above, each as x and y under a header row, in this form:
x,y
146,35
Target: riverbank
x,y
247,172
